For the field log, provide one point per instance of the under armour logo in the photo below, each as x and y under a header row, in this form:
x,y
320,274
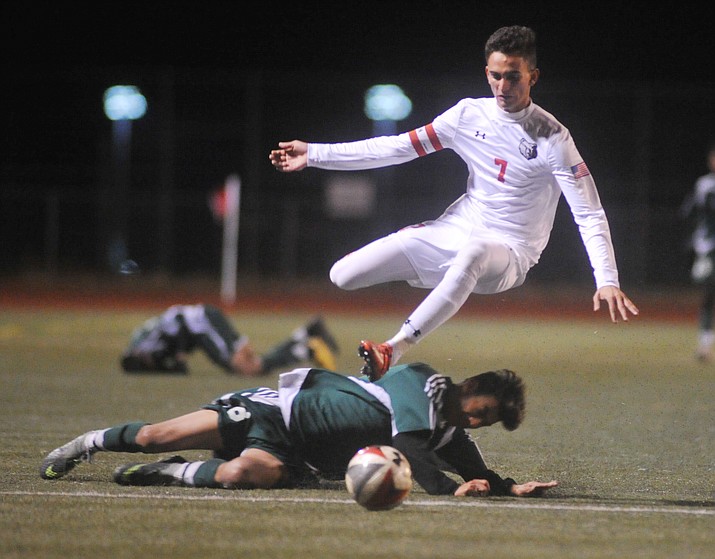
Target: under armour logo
x,y
479,134
416,333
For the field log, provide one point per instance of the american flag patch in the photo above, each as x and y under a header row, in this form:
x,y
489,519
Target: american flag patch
x,y
580,170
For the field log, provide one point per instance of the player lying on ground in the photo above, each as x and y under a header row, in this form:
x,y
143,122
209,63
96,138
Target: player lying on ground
x,y
314,424
520,161
163,343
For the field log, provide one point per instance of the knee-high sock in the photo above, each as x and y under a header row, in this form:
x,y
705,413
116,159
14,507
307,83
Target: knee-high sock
x,y
121,438
202,474
440,305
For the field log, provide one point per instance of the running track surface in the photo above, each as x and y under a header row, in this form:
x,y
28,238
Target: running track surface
x,y
314,296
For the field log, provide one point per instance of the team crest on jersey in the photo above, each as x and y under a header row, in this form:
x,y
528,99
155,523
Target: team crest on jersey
x,y
527,149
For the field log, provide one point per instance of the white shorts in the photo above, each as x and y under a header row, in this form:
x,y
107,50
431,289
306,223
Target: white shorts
x,y
433,246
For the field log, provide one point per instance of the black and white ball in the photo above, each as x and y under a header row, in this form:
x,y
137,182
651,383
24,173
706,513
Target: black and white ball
x,y
379,477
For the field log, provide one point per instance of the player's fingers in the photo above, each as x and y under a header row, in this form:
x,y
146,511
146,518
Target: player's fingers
x,y
612,307
623,311
480,486
630,306
596,302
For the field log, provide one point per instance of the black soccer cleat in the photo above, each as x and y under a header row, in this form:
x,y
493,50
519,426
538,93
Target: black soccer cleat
x,y
165,472
135,364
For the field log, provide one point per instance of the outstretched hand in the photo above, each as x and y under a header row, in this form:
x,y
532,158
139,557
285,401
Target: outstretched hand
x,y
481,488
290,156
618,303
532,488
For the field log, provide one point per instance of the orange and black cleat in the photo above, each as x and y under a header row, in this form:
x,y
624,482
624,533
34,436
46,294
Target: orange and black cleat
x,y
377,357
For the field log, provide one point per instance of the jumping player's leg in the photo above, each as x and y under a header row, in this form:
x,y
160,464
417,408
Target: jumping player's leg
x,y
485,266
381,261
482,261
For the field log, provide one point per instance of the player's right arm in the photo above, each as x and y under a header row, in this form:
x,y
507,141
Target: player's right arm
x,y
372,153
415,446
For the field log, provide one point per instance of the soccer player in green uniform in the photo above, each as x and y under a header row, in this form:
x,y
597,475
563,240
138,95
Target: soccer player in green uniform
x,y
699,209
163,343
314,424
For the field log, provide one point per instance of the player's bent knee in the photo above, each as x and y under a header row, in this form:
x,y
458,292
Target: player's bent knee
x,y
340,277
252,470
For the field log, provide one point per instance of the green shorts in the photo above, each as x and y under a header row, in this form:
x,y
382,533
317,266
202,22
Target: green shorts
x,y
246,420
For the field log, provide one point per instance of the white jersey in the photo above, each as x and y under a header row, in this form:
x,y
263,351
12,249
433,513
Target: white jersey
x,y
519,165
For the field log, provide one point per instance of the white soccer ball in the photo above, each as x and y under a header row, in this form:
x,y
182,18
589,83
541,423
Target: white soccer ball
x,y
379,477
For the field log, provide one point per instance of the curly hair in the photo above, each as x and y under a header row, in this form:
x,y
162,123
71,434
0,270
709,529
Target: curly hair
x,y
514,40
507,387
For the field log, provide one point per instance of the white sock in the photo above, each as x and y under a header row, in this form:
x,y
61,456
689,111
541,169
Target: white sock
x,y
706,338
186,472
400,346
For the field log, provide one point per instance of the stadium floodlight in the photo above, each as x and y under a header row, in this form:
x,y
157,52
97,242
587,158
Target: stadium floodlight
x,y
387,102
124,102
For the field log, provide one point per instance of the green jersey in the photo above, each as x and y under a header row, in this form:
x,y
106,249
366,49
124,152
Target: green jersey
x,y
330,416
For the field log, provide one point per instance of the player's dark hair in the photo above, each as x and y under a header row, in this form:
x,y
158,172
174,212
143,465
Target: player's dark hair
x,y
507,387
514,40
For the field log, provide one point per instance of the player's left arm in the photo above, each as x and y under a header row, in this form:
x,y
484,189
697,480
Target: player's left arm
x,y
467,459
579,188
464,456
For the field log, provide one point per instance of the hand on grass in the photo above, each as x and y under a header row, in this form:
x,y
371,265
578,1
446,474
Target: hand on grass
x,y
473,488
532,488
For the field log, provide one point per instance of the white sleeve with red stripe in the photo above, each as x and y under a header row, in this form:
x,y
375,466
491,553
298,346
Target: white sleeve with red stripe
x,y
374,152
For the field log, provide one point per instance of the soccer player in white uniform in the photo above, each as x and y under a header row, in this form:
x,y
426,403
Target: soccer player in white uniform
x,y
520,161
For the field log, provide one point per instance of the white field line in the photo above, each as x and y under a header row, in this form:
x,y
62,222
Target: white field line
x,y
457,503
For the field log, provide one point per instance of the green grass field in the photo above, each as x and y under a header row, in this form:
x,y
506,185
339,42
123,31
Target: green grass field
x,y
622,415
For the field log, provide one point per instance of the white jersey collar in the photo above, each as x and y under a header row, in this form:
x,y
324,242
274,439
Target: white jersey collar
x,y
511,117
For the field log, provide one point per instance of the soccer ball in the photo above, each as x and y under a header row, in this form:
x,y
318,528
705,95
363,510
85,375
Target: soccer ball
x,y
379,477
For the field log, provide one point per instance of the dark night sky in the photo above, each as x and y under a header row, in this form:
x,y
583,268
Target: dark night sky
x,y
621,43
69,46
635,40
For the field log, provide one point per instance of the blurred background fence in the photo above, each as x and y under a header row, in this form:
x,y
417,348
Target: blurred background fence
x,y
63,199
